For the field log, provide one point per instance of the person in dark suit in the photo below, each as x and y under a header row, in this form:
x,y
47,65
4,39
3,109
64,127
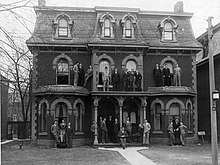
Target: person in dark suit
x,y
157,76
138,78
125,80
122,134
110,126
176,130
116,128
116,80
132,80
104,131
69,135
81,75
166,76
56,132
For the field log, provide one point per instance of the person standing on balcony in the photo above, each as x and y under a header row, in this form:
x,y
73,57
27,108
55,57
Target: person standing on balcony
x,y
125,80
106,79
157,76
81,75
177,75
116,80
138,78
166,76
76,73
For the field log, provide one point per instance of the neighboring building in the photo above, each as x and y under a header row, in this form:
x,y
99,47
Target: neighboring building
x,y
204,118
4,85
112,37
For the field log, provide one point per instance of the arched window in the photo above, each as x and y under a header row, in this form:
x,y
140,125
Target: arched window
x,y
43,117
168,31
62,71
61,112
128,28
107,28
157,117
189,109
131,65
174,111
62,28
79,118
102,65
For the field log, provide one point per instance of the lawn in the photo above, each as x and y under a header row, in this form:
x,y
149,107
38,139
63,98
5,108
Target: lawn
x,y
11,154
180,155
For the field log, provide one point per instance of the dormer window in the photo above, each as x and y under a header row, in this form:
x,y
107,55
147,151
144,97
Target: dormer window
x,y
167,29
62,27
107,22
107,28
128,23
128,28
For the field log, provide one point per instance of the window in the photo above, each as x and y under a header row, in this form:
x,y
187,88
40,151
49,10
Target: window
x,y
61,112
174,111
107,28
189,109
168,31
63,28
157,117
128,28
43,123
62,71
131,65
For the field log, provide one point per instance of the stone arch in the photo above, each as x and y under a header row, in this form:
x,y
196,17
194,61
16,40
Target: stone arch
x,y
107,15
169,19
168,58
189,102
63,15
79,101
108,58
132,57
53,105
62,55
129,16
175,100
44,101
157,100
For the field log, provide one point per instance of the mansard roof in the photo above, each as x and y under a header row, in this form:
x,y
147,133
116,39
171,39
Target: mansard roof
x,y
86,27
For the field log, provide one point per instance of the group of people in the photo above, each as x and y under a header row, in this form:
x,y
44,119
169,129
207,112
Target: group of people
x,y
80,76
110,131
62,133
165,78
130,80
177,132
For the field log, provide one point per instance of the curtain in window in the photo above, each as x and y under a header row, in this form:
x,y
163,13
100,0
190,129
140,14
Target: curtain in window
x,y
62,72
63,28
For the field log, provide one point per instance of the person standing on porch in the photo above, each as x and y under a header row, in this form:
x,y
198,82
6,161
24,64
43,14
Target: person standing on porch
x,y
56,131
116,128
110,126
99,129
146,132
128,128
122,134
170,132
104,131
69,135
182,128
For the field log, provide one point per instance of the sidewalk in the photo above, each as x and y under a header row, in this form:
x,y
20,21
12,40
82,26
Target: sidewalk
x,y
132,155
7,141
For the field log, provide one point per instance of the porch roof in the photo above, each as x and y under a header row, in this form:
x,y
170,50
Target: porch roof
x,y
62,89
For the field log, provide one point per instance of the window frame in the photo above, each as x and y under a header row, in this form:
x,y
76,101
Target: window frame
x,y
167,31
107,28
128,28
66,28
65,73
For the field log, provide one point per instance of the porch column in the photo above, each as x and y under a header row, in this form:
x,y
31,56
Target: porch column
x,y
96,103
144,105
120,102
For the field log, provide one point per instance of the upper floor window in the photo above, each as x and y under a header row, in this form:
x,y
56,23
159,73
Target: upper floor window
x,y
127,23
104,70
128,29
107,28
62,71
167,30
131,65
63,28
107,22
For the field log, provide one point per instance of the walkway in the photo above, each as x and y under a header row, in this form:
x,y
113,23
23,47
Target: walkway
x,y
6,141
132,155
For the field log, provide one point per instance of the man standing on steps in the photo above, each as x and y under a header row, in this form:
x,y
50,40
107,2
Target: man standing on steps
x,y
146,134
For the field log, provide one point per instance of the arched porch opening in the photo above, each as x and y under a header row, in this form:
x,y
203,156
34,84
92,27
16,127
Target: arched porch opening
x,y
61,112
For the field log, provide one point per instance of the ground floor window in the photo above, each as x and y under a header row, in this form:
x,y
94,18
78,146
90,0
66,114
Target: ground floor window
x,y
61,112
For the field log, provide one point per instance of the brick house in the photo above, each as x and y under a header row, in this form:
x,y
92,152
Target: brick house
x,y
202,66
112,37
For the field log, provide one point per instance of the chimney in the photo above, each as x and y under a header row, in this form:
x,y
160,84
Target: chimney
x,y
41,3
178,7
